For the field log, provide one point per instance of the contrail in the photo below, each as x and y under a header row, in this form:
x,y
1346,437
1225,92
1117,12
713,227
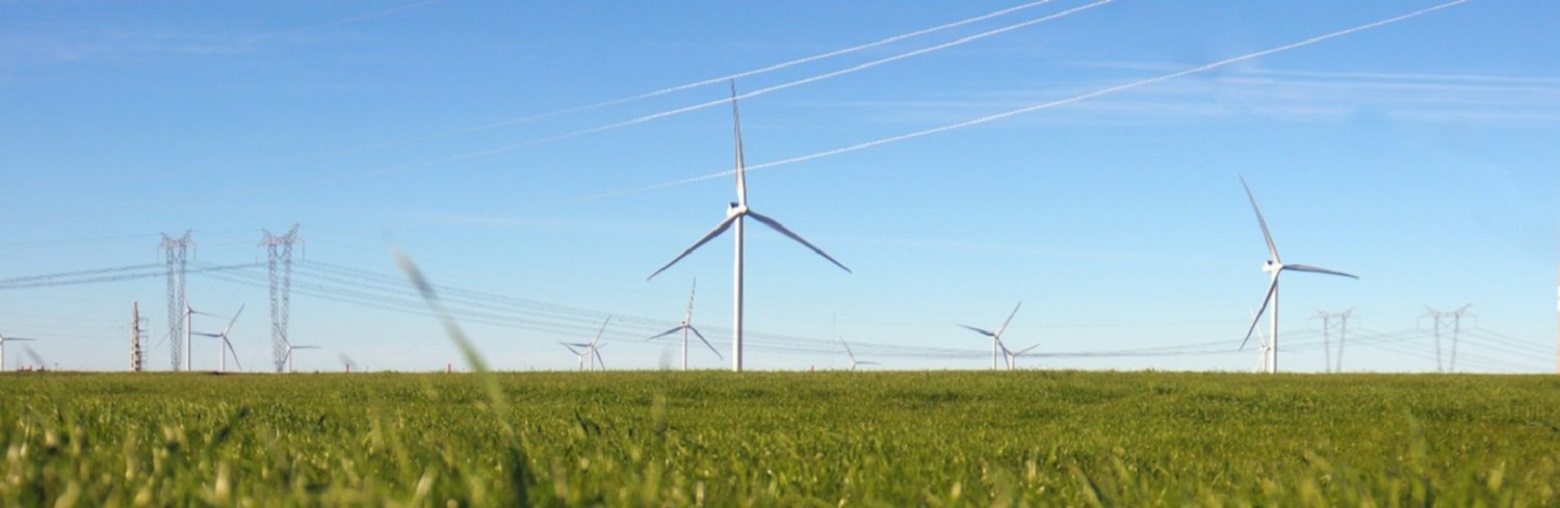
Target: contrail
x,y
353,19
1027,109
857,68
820,77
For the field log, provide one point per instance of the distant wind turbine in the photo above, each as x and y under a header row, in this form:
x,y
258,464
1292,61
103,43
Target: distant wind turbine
x,y
594,348
996,337
287,355
853,361
1274,266
687,326
1012,356
734,215
3,340
581,351
223,342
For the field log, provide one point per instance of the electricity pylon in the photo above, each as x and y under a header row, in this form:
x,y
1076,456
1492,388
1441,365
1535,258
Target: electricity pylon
x,y
175,255
279,263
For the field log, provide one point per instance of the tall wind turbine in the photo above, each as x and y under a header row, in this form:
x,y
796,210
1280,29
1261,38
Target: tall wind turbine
x,y
223,338
1274,267
734,215
996,337
581,351
3,340
687,326
1012,356
853,361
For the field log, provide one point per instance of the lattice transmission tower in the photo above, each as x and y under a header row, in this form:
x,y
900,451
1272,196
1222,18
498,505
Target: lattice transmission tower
x,y
279,261
175,255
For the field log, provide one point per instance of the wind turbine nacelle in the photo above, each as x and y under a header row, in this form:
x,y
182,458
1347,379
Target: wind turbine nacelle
x,y
735,209
1271,267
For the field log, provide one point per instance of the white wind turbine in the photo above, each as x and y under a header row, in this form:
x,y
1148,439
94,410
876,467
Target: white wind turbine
x,y
734,215
1012,356
581,351
287,356
3,340
594,348
996,337
853,361
1274,266
687,326
223,341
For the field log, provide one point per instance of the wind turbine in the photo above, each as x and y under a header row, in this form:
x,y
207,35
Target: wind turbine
x,y
687,326
223,337
734,215
1275,266
579,355
288,354
3,340
1012,356
594,348
996,337
853,361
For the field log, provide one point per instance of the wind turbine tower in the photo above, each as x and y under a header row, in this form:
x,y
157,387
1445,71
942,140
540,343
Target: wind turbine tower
x,y
735,213
175,251
279,262
1275,267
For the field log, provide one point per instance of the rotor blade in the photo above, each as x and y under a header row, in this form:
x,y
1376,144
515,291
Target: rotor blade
x,y
233,321
1010,318
571,347
34,355
1025,350
601,331
719,228
848,351
1272,249
24,339
306,347
674,329
599,361
706,342
688,316
736,124
1258,318
1318,269
204,334
777,227
979,331
229,345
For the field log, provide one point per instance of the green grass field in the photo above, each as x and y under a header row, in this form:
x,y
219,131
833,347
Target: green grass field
x,y
1031,438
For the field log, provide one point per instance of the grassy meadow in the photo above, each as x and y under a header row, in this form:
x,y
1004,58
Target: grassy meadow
x,y
1026,438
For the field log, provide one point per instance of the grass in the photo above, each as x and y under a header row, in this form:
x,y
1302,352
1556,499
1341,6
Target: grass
x,y
881,438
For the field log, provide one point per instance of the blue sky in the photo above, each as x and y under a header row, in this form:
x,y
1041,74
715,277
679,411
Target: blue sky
x,y
487,141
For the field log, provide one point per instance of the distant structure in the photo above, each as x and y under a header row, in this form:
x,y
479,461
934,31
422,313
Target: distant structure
x,y
1454,319
137,355
1331,320
175,255
279,262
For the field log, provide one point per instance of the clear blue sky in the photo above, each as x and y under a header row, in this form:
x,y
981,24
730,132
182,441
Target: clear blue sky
x,y
1420,154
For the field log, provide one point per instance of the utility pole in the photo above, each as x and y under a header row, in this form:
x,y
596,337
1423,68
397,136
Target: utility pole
x,y
279,263
1326,339
1343,335
175,251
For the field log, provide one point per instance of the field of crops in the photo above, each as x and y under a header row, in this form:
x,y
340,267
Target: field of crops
x,y
882,438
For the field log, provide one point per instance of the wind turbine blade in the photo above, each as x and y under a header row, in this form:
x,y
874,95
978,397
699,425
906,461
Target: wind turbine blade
x,y
1010,318
706,342
231,350
777,227
601,331
200,334
23,339
1272,249
306,347
979,331
674,329
35,358
233,321
736,123
1025,350
599,361
1258,318
849,352
571,347
719,228
1318,269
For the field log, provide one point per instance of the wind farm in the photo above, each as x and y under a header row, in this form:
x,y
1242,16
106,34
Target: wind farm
x,y
475,203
